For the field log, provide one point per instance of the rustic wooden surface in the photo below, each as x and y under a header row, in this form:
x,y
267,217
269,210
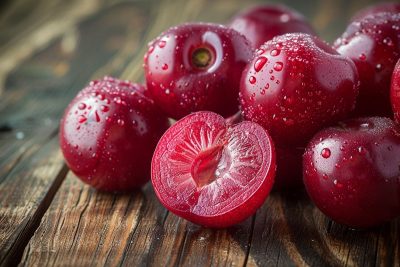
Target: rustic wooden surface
x,y
48,51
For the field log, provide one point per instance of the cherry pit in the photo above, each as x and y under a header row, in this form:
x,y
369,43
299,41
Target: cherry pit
x,y
262,103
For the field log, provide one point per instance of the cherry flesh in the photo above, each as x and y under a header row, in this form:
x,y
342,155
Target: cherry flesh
x,y
377,8
373,43
213,174
352,174
263,22
295,85
108,134
196,67
395,92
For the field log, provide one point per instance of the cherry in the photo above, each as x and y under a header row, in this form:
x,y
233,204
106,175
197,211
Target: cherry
x,y
377,8
263,22
196,67
373,43
213,174
108,133
295,85
352,174
395,92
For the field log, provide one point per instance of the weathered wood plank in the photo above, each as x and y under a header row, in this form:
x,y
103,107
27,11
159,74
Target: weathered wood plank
x,y
43,85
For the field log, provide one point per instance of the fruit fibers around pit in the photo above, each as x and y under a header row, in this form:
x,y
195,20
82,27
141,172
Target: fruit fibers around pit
x,y
263,22
373,43
196,66
108,134
295,85
213,174
351,171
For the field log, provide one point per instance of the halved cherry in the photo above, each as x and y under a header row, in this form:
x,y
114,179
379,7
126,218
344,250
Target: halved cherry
x,y
213,174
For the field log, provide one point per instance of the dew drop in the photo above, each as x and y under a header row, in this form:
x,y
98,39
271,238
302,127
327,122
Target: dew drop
x,y
97,116
326,152
82,106
164,67
275,52
252,79
362,57
82,119
167,91
104,108
162,44
278,66
120,122
259,64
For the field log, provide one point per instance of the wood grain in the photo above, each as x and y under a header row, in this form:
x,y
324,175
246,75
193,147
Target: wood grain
x,y
49,51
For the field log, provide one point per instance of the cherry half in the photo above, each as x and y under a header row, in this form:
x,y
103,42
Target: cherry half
x,y
197,66
263,22
373,43
395,92
352,174
213,174
295,85
108,134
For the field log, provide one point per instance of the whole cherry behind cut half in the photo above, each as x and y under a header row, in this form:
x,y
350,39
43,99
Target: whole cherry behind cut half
x,y
391,7
196,66
213,174
261,23
395,92
352,174
296,85
108,134
373,43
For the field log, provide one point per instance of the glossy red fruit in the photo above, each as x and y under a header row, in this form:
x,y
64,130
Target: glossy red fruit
x,y
263,22
108,134
377,8
373,43
289,172
352,174
213,174
395,92
295,85
196,67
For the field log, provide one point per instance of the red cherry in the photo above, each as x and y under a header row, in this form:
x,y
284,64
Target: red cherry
x,y
377,8
196,67
302,85
213,174
395,92
373,43
263,22
108,133
352,174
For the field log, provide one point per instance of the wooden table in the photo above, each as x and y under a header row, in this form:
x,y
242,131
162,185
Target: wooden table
x,y
48,51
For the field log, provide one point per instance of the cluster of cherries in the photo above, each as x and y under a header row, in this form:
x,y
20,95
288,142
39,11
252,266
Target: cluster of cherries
x,y
216,165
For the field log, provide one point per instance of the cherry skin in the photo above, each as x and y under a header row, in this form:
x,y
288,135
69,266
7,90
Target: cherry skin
x,y
352,174
395,92
263,22
377,8
196,67
373,43
108,134
211,173
295,85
